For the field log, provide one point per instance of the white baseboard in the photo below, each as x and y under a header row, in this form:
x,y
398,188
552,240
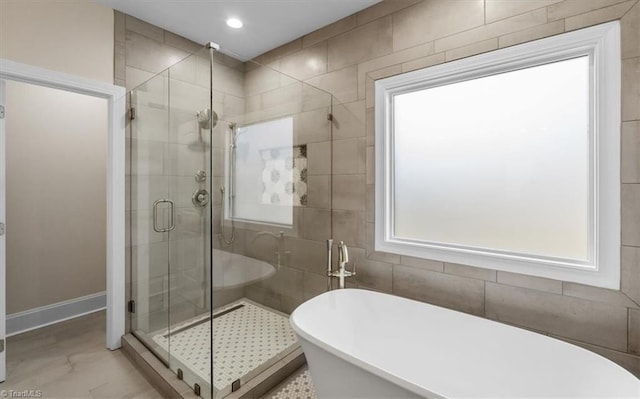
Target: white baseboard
x,y
40,317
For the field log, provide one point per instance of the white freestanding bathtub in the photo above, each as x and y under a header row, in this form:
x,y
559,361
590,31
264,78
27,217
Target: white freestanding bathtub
x,y
363,344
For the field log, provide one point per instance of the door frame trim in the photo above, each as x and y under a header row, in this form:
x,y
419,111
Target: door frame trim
x,y
3,240
116,99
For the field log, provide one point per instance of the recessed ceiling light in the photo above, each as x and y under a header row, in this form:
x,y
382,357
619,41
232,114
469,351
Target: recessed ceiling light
x,y
234,23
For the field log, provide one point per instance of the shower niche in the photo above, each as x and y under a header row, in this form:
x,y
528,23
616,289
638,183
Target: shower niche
x,y
229,211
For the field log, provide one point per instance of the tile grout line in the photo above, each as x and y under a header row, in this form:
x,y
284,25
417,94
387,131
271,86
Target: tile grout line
x,y
597,9
630,8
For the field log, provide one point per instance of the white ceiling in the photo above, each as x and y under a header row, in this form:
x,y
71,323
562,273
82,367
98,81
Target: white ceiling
x,y
267,23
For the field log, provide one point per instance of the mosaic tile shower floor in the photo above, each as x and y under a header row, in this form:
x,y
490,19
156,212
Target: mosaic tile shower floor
x,y
244,339
297,386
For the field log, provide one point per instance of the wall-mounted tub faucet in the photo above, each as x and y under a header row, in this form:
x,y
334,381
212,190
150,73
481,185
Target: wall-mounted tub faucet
x,y
343,259
280,253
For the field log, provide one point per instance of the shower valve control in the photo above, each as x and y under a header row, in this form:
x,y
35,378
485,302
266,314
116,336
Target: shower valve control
x,y
200,176
200,198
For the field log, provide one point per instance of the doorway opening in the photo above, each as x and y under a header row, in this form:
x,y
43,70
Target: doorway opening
x,y
64,136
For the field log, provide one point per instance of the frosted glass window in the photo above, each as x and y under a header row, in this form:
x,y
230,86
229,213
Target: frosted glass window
x,y
260,172
497,162
508,160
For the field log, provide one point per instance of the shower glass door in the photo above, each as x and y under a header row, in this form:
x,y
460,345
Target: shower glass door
x,y
170,214
149,183
231,206
189,171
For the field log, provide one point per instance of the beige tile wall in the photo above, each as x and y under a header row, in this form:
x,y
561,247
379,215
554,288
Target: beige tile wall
x,y
396,36
272,94
344,59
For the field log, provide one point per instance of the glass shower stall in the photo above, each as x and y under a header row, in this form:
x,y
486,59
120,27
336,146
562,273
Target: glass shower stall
x,y
229,209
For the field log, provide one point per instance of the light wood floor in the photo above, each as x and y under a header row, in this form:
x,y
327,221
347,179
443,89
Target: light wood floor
x,y
69,360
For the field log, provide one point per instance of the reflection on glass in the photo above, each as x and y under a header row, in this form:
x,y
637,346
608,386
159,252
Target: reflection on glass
x,y
170,160
498,162
267,174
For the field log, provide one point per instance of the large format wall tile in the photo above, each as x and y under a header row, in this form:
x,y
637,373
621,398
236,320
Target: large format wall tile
x,y
500,9
569,8
395,58
470,271
631,89
349,156
311,126
630,41
631,214
319,158
630,272
150,55
319,191
260,80
307,255
360,44
306,63
431,20
535,283
341,83
420,263
598,16
630,152
330,30
472,49
316,224
348,120
612,297
346,227
441,289
374,275
634,331
536,32
382,9
349,192
143,28
579,319
484,32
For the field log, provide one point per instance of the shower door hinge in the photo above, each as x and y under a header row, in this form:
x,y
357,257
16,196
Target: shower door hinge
x,y
131,306
329,116
132,113
1,229
1,345
1,111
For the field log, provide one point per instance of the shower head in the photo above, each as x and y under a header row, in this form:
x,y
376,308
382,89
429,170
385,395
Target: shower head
x,y
207,118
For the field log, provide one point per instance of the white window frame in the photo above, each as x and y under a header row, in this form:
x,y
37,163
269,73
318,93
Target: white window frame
x,y
602,44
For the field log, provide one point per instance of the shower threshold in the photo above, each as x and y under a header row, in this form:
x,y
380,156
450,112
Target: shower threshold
x,y
247,339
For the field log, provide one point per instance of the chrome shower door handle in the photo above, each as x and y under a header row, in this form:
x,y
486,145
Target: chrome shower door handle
x,y
172,224
172,212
